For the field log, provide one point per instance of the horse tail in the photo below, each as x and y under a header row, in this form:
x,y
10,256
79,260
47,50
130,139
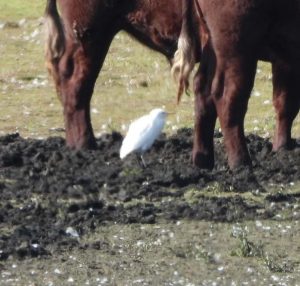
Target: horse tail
x,y
55,37
184,58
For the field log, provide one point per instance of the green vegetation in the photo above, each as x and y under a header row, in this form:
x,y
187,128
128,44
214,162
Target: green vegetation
x,y
247,248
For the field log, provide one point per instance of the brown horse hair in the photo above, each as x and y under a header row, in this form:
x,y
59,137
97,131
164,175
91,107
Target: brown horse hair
x,y
184,58
55,37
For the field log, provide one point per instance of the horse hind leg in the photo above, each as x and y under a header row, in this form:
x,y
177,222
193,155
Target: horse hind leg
x,y
205,113
286,101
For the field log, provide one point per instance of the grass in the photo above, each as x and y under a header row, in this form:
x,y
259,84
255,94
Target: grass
x,y
133,81
15,10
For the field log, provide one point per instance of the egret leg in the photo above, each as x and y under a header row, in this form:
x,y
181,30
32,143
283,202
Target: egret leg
x,y
143,161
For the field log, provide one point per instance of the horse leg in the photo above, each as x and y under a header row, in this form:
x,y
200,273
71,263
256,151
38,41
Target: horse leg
x,y
286,101
232,106
78,71
205,115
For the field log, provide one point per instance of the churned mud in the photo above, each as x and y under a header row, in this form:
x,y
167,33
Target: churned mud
x,y
53,197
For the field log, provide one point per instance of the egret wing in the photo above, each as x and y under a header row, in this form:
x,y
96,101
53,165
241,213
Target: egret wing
x,y
136,136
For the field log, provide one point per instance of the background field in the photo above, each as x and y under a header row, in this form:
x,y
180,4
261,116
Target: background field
x,y
133,81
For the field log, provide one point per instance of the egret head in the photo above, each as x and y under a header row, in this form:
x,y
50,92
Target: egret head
x,y
158,113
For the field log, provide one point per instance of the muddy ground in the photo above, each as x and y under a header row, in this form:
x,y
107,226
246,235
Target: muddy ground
x,y
53,197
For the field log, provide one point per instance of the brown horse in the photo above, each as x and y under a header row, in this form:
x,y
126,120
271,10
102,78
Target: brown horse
x,y
234,35
78,40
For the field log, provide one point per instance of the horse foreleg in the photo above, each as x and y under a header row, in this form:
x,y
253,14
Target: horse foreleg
x,y
79,68
232,106
286,101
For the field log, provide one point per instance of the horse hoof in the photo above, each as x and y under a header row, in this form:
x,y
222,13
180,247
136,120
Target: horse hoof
x,y
82,143
203,161
287,145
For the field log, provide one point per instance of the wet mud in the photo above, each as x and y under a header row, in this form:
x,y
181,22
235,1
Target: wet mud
x,y
50,195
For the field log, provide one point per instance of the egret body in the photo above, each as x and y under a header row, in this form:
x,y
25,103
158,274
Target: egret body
x,y
143,132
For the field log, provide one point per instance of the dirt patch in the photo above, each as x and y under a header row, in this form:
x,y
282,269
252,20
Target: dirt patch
x,y
50,195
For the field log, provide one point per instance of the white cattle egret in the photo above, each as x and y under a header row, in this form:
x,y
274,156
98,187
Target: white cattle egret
x,y
142,133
